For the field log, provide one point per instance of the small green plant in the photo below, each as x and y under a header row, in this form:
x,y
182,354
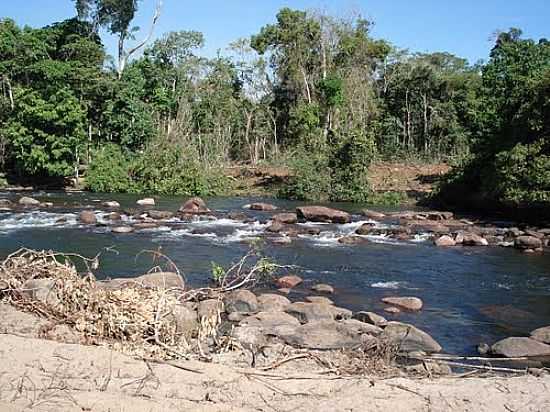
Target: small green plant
x,y
217,273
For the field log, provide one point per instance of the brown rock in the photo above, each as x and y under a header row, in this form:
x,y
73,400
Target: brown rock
x,y
323,335
87,217
194,206
289,281
409,339
271,302
287,218
371,214
365,229
210,308
242,301
520,347
444,241
319,299
412,304
322,214
263,207
159,214
370,317
362,327
392,309
353,240
323,288
542,334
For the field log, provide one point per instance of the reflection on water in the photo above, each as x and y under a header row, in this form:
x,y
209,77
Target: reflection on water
x,y
471,295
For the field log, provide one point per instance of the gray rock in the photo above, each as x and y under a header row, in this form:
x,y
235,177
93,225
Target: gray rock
x,y
409,338
29,201
471,239
111,204
365,229
322,214
323,335
243,301
352,240
542,334
444,241
362,327
310,312
319,299
185,320
87,217
160,214
370,317
527,242
149,201
340,313
161,280
323,288
281,240
271,302
412,304
520,347
194,206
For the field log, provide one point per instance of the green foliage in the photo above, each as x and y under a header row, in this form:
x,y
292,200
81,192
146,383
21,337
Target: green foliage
x,y
109,171
310,177
388,199
218,273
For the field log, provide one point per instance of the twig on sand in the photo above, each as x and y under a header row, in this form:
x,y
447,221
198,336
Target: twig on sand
x,y
480,367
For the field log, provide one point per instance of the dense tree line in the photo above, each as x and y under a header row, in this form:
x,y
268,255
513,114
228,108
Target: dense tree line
x,y
313,92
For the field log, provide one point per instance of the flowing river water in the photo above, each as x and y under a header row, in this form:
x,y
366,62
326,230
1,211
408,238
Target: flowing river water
x,y
471,295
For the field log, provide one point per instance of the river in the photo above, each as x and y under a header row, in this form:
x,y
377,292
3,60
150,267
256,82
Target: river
x,y
471,295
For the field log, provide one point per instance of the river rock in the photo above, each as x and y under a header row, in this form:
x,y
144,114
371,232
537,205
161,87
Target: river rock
x,y
361,327
287,218
239,216
145,225
322,214
263,207
444,241
370,317
520,347
29,201
243,301
392,310
323,335
412,304
365,229
372,214
161,280
281,240
5,203
319,299
194,206
470,239
310,312
111,204
275,227
271,302
527,242
115,216
210,308
353,240
159,214
41,290
149,201
122,229
290,281
323,288
541,334
409,338
87,217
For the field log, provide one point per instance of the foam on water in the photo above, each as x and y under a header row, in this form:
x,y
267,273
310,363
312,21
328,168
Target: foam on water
x,y
387,285
35,219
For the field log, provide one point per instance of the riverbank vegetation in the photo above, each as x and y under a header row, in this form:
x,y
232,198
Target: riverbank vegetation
x,y
316,94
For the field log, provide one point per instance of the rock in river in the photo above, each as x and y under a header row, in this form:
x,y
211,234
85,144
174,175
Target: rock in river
x,y
149,201
29,201
287,218
323,288
527,242
542,334
370,317
194,206
264,207
111,204
310,312
322,214
122,229
371,214
445,241
87,217
289,281
412,304
520,347
409,338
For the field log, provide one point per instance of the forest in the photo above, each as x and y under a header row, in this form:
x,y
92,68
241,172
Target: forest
x,y
312,92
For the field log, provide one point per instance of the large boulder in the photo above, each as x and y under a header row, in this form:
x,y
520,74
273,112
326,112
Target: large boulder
x,y
322,214
243,301
161,280
409,338
527,242
444,241
520,347
194,206
310,312
271,302
471,239
289,281
365,229
370,317
287,218
148,201
272,323
319,299
361,327
263,207
412,304
324,335
29,201
87,217
542,334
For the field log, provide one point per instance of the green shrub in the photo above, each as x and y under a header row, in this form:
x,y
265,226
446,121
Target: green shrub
x,y
108,171
310,178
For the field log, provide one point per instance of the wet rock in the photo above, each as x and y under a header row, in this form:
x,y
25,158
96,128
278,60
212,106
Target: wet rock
x,y
323,288
210,308
281,240
41,290
323,335
194,206
145,225
527,242
319,299
353,240
494,240
243,301
412,304
160,214
111,204
275,227
289,281
362,327
271,302
370,317
149,201
444,241
322,214
534,233
520,347
287,218
392,309
46,205
28,201
263,207
409,338
5,203
87,217
470,239
365,229
115,216
122,229
239,216
161,280
310,312
542,334
371,214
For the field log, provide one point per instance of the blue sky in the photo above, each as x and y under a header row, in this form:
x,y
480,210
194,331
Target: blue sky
x,y
462,27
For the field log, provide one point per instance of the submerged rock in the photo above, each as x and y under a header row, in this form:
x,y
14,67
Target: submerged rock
x,y
29,201
87,217
194,206
541,334
520,347
322,214
149,201
409,338
412,304
289,281
263,207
